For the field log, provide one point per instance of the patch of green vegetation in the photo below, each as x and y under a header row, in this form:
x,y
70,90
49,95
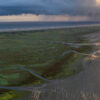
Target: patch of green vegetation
x,y
13,95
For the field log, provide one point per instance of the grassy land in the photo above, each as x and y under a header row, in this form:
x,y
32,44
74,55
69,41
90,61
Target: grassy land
x,y
42,52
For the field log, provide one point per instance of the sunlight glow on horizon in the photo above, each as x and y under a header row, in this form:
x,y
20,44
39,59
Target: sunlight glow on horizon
x,y
98,2
35,18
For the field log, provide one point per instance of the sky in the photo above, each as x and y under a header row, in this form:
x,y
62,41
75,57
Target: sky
x,y
49,10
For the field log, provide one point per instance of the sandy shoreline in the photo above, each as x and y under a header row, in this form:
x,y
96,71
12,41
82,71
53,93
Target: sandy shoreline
x,y
46,28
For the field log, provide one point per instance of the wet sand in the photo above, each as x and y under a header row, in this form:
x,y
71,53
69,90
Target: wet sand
x,y
82,86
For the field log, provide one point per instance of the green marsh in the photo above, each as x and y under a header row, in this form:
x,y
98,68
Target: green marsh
x,y
42,52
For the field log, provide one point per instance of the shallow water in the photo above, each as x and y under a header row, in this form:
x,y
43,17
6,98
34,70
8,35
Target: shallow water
x,y
40,25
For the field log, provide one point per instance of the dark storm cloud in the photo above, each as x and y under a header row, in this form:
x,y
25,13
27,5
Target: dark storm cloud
x,y
69,7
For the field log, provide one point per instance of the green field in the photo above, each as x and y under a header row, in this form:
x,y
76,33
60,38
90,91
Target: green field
x,y
42,52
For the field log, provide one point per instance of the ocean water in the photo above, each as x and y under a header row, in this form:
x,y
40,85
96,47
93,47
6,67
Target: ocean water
x,y
36,25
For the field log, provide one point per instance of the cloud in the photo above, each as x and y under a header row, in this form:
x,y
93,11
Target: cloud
x,y
50,3
89,8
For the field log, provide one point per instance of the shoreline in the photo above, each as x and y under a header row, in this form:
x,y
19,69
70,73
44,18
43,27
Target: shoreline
x,y
47,28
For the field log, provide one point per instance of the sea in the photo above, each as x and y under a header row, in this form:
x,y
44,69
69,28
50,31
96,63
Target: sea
x,y
10,26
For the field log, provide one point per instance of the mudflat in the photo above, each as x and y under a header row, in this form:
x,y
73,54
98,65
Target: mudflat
x,y
82,86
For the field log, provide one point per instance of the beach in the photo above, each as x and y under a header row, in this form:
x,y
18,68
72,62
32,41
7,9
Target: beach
x,y
50,50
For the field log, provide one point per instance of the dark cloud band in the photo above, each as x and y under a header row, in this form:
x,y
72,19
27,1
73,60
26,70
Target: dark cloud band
x,y
52,7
